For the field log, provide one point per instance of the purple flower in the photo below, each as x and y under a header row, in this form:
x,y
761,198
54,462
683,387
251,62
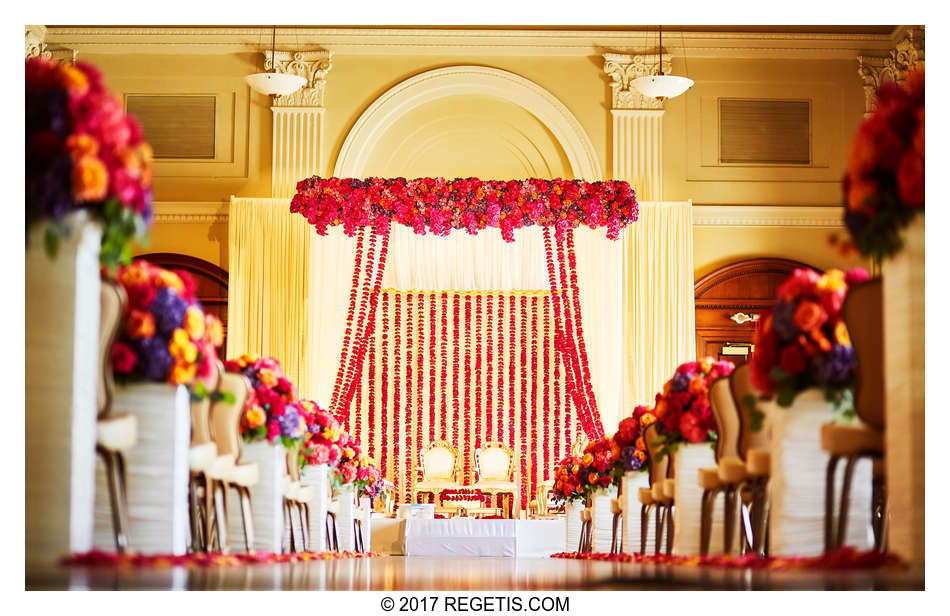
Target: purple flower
x,y
168,310
155,360
289,422
680,382
49,190
629,460
834,367
782,321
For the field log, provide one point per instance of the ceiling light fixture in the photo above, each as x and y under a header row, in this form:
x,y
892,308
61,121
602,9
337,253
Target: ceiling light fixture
x,y
273,83
662,86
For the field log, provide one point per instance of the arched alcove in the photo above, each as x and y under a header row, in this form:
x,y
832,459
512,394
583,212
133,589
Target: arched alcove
x,y
488,112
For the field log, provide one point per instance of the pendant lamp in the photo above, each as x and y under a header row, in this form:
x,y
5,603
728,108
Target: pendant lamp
x,y
273,83
662,86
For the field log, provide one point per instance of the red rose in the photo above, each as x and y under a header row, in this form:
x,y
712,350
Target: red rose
x,y
141,295
793,360
123,358
605,480
809,315
189,282
910,179
273,429
691,428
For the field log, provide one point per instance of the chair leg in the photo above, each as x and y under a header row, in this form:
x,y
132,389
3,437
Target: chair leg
x,y
613,534
729,518
705,521
305,525
246,518
760,519
830,502
845,501
878,511
288,534
221,515
208,509
670,528
644,526
123,496
660,522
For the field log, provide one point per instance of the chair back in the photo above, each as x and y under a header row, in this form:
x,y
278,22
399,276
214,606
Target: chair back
x,y
494,462
112,301
439,461
201,409
740,387
579,444
226,416
659,468
864,315
726,415
293,465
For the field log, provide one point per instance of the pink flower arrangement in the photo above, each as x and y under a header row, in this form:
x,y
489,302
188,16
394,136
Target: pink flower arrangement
x,y
324,432
682,412
84,152
803,342
165,335
346,471
884,184
272,410
441,205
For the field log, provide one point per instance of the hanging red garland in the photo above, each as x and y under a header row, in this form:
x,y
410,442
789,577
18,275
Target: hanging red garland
x,y
404,425
455,368
420,375
352,375
397,393
385,353
545,388
432,365
350,312
525,392
478,436
534,391
441,205
582,348
512,342
468,387
489,364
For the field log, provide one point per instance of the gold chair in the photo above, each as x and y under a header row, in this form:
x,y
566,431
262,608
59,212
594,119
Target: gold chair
x,y
539,507
616,508
654,497
225,472
863,314
439,466
201,456
498,473
115,432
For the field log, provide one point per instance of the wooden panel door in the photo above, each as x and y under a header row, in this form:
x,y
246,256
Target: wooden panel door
x,y
729,302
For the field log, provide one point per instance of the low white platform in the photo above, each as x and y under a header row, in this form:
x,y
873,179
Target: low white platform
x,y
469,537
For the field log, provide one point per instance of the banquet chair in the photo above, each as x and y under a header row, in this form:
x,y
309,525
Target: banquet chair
x,y
497,472
587,531
115,432
439,468
201,455
333,541
653,498
616,508
863,315
729,471
297,499
225,472
540,507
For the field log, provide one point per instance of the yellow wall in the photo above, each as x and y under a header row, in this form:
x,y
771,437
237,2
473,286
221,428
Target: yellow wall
x,y
485,130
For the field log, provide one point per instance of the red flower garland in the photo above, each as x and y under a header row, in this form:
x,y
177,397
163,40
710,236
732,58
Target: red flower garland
x,y
432,369
479,437
524,396
352,375
371,397
582,351
350,311
545,391
397,392
466,465
511,368
384,391
455,368
489,363
420,375
445,360
100,558
441,205
534,388
502,409
406,429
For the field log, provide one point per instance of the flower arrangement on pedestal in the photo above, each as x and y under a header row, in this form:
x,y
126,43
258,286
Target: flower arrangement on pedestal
x,y
346,471
271,411
84,152
629,437
568,486
369,479
165,335
600,465
682,412
803,342
884,184
322,443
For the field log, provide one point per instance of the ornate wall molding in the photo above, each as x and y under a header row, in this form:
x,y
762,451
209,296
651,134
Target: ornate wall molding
x,y
35,46
830,217
875,70
311,65
462,81
623,69
194,212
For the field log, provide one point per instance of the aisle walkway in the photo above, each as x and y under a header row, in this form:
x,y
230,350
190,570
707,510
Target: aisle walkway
x,y
424,573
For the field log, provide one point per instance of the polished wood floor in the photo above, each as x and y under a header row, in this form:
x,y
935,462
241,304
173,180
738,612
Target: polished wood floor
x,y
465,574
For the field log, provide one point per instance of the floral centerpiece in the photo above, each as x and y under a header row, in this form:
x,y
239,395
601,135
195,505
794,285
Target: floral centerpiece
x,y
322,444
271,410
630,438
84,152
884,183
600,464
165,335
803,341
346,471
568,486
682,412
369,479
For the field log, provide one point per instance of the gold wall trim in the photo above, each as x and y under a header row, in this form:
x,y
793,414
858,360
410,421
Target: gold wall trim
x,y
207,212
767,216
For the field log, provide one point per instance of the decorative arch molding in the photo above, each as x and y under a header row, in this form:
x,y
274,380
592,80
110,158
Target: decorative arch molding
x,y
467,80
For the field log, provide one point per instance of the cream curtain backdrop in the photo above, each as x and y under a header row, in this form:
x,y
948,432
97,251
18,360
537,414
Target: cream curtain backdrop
x,y
288,292
658,299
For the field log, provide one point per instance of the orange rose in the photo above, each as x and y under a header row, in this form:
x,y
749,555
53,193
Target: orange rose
x,y
90,179
592,478
809,316
841,334
140,324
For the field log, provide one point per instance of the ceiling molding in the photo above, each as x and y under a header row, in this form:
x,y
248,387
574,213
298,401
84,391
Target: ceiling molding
x,y
206,212
430,41
767,216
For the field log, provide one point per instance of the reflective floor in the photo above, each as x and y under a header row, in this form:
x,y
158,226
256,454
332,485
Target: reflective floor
x,y
431,573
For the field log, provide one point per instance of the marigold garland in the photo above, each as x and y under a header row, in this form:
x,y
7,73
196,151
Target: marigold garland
x,y
479,437
582,348
420,375
489,365
445,357
534,386
546,372
397,392
350,311
384,393
432,368
512,402
455,368
466,465
500,431
439,205
524,397
361,325
408,462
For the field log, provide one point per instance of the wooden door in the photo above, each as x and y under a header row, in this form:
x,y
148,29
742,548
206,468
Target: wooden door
x,y
729,302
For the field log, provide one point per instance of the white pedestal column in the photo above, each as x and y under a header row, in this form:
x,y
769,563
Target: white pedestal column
x,y
602,519
632,482
267,498
62,346
687,512
318,477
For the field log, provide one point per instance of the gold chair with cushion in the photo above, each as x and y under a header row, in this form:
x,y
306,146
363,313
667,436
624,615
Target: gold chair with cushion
x,y
225,472
115,432
863,314
498,473
440,470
